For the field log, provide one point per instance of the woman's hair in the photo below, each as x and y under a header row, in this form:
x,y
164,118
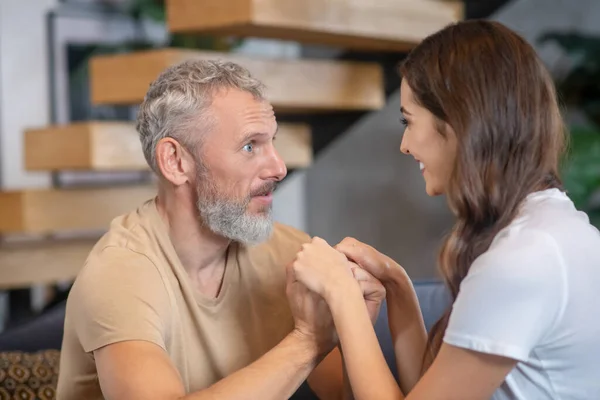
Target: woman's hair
x,y
486,83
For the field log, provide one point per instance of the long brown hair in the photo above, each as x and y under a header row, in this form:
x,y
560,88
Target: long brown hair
x,y
486,83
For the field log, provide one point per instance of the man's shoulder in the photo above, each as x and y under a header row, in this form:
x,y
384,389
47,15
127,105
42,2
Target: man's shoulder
x,y
115,277
111,266
127,251
131,237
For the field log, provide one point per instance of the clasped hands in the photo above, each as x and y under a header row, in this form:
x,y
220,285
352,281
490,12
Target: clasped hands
x,y
321,274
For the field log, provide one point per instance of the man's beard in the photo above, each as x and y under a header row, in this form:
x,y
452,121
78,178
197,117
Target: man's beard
x,y
230,217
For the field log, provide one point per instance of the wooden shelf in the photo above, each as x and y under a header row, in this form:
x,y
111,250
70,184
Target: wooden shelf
x,y
296,85
381,25
23,265
41,211
114,146
84,145
294,144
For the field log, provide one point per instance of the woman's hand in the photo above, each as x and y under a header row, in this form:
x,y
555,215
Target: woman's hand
x,y
373,291
377,264
323,269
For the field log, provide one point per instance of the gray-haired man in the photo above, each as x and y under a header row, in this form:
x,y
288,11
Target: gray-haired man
x,y
186,297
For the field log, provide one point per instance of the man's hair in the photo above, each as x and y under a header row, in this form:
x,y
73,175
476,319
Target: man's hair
x,y
177,102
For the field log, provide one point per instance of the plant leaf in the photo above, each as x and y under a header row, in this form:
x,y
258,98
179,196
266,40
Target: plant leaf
x,y
581,168
594,216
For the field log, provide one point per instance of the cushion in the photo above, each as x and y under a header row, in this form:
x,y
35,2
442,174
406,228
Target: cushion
x,y
42,332
29,375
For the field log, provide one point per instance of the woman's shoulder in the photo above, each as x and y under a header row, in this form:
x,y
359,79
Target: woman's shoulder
x,y
521,251
548,221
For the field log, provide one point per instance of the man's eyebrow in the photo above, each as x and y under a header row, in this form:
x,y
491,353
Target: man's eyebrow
x,y
254,135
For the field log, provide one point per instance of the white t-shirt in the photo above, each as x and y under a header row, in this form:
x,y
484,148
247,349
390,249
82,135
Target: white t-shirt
x,y
534,296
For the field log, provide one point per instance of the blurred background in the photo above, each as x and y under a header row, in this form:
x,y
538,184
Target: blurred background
x,y
72,73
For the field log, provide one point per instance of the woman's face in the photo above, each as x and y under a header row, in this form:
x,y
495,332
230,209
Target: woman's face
x,y
433,152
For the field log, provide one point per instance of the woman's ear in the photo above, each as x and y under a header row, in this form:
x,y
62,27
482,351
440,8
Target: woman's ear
x,y
173,161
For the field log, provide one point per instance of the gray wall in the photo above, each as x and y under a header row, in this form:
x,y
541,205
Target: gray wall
x,y
362,186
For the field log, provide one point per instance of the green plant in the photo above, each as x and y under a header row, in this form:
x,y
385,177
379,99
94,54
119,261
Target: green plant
x,y
579,79
578,84
581,170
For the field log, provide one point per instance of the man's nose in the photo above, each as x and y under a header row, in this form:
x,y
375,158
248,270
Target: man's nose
x,y
276,168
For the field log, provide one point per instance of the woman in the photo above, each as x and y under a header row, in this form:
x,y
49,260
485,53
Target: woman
x,y
522,264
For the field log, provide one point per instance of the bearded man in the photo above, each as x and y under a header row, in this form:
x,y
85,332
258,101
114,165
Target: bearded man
x,y
186,297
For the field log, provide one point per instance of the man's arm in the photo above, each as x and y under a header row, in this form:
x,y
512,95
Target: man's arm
x,y
143,370
328,380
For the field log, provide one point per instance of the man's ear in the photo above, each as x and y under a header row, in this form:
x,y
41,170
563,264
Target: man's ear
x,y
174,162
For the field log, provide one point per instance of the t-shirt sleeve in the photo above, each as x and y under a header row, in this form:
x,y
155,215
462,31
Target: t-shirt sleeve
x,y
511,298
118,296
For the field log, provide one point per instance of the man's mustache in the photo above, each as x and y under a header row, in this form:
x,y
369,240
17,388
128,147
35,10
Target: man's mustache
x,y
265,189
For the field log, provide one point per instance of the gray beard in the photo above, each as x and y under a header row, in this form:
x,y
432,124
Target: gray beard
x,y
229,218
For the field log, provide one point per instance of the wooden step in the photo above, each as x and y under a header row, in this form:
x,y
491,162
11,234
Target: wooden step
x,y
373,25
294,144
292,85
93,145
106,146
23,265
41,211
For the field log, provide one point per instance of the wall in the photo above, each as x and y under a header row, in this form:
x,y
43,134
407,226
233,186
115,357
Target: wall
x,y
23,84
363,186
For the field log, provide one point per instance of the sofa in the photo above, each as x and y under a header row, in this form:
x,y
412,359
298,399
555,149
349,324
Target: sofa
x,y
29,353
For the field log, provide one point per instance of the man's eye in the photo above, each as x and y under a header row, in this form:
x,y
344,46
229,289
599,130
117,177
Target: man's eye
x,y
249,147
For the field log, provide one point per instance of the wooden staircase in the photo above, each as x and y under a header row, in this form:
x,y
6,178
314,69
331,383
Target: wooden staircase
x,y
382,25
115,146
294,87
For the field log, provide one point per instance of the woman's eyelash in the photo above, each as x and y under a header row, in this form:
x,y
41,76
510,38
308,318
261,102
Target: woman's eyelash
x,y
404,121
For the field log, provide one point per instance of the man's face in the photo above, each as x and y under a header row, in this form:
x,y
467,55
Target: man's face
x,y
238,168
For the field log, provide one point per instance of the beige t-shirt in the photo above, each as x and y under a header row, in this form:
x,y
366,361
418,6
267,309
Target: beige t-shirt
x,y
133,287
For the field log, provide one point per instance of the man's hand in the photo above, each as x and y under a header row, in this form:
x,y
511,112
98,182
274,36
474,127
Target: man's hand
x,y
311,315
372,289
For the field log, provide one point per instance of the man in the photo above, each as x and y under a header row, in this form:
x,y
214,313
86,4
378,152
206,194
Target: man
x,y
185,297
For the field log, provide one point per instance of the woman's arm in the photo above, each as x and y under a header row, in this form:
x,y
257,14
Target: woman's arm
x,y
407,327
462,374
327,272
408,332
366,367
456,373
